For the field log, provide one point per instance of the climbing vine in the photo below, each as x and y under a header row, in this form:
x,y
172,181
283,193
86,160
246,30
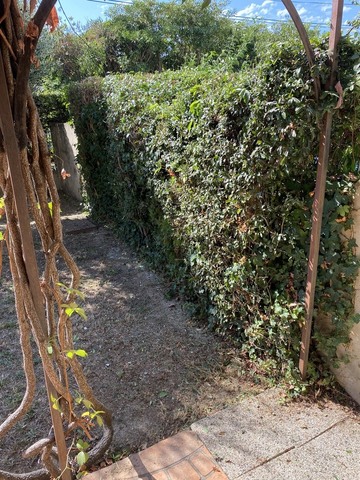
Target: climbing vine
x,y
47,301
222,172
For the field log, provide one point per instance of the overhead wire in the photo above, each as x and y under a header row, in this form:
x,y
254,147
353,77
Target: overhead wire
x,y
329,4
129,2
77,34
112,2
253,18
277,20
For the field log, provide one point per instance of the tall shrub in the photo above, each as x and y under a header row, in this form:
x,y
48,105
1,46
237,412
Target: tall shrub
x,y
213,172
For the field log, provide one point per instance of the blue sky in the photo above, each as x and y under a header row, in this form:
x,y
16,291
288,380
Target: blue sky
x,y
311,11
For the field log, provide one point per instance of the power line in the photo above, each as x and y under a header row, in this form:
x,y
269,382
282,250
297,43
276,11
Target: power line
x,y
316,3
68,20
276,20
129,2
112,2
239,17
77,34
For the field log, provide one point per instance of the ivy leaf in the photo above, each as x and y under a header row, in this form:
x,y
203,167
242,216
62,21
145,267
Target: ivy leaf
x,y
82,458
195,107
81,445
342,210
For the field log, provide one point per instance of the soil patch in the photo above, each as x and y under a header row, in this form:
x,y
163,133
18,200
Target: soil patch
x,y
156,369
147,361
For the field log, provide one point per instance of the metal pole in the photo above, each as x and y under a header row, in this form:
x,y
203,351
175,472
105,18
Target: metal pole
x,y
13,155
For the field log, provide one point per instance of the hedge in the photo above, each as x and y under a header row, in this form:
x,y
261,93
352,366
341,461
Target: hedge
x,y
211,173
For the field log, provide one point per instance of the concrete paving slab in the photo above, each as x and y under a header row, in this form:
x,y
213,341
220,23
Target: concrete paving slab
x,y
261,428
182,457
259,439
333,455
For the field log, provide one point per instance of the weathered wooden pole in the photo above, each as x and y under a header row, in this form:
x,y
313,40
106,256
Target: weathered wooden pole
x,y
318,205
323,161
21,205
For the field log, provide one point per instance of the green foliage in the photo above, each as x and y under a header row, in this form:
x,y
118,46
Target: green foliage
x,y
48,90
82,457
144,36
149,35
211,173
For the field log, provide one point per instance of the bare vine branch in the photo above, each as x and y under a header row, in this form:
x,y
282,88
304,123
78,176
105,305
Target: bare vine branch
x,y
49,326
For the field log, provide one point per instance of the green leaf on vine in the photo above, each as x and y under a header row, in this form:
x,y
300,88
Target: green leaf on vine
x,y
72,290
55,403
80,353
74,308
81,445
82,458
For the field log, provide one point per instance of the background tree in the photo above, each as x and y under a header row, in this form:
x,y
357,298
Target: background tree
x,y
44,302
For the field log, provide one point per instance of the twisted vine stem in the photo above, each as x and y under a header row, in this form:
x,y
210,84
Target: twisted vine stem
x,y
18,39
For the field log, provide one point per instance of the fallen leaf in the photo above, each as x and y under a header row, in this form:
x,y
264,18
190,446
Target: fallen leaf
x,y
65,174
339,89
32,30
32,5
53,20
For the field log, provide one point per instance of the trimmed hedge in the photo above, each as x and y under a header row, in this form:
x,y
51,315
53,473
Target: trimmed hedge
x,y
211,173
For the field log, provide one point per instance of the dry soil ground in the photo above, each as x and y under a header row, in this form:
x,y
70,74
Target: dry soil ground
x,y
156,369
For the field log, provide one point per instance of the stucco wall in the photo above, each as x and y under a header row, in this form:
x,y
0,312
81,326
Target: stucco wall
x,y
65,152
348,374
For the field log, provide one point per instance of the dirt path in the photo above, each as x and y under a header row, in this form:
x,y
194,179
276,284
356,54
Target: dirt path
x,y
147,361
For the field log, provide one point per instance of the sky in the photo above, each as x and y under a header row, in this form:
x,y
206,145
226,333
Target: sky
x,y
310,11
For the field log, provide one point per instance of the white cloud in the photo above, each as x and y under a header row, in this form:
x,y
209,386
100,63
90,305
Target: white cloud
x,y
255,9
302,11
282,13
347,9
248,11
314,19
103,9
326,8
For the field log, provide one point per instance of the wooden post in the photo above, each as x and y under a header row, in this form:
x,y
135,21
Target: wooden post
x,y
310,54
13,155
318,205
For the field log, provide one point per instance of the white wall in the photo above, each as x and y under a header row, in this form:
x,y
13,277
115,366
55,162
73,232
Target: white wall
x,y
65,152
348,374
